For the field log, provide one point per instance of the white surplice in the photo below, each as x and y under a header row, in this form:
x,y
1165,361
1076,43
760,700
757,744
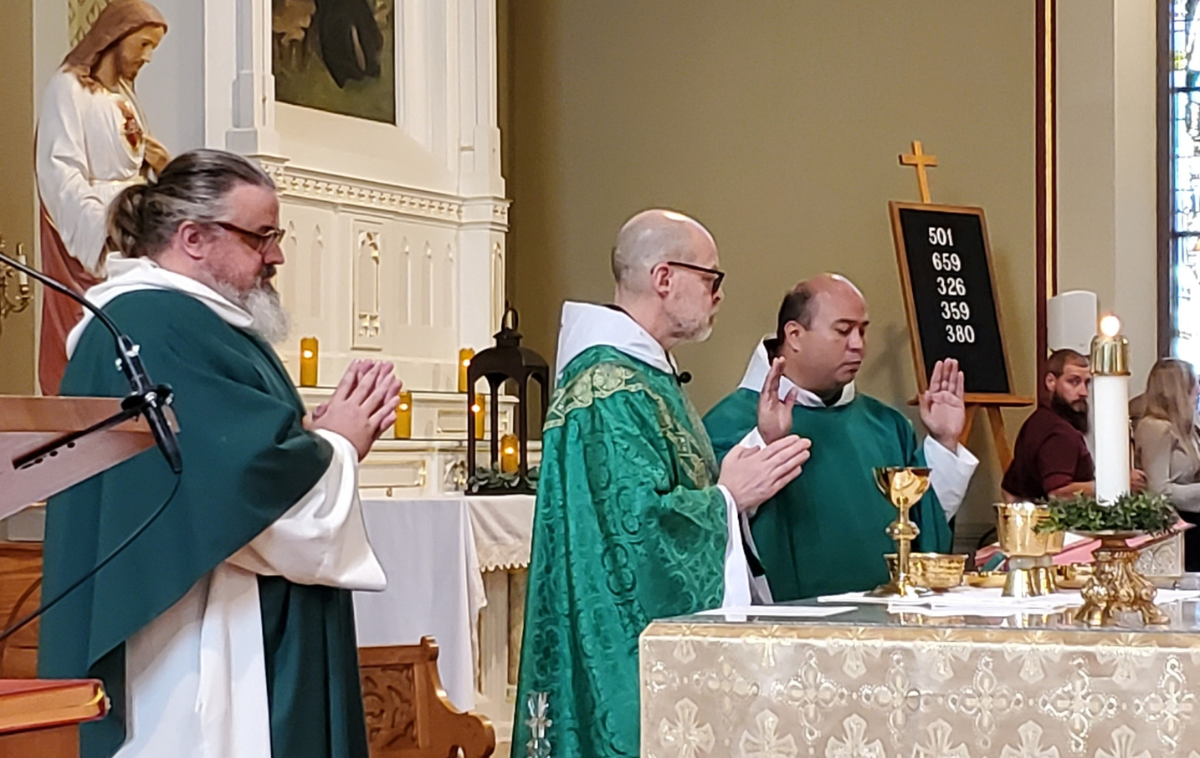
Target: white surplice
x,y
196,675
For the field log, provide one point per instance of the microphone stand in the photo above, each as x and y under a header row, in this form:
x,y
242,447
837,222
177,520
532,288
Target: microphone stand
x,y
145,399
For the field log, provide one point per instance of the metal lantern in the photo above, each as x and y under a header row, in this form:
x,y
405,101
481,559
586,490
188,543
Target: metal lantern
x,y
507,361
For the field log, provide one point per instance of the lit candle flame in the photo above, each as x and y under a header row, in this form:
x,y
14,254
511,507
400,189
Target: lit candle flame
x,y
1110,326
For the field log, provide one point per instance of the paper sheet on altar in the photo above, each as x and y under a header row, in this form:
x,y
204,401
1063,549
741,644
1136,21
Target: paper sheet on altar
x,y
779,611
988,601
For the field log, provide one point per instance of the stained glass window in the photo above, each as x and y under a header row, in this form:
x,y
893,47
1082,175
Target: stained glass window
x,y
1185,179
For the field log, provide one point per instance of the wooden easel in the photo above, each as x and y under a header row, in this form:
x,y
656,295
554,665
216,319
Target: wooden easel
x,y
991,402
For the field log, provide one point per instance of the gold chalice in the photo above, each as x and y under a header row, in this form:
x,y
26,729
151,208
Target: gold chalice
x,y
903,486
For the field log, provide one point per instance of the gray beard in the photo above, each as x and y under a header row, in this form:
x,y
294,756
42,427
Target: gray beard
x,y
268,319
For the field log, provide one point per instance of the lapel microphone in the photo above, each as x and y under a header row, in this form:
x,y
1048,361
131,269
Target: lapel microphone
x,y
684,377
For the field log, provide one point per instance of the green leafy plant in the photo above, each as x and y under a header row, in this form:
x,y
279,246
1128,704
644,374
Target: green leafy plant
x,y
1131,512
492,480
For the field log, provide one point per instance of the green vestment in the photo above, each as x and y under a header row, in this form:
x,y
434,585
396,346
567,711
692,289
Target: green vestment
x,y
246,461
629,528
824,532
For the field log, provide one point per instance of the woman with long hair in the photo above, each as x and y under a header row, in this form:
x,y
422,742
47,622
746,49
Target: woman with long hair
x,y
1168,446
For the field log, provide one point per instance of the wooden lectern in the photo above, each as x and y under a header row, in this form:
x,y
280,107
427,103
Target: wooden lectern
x,y
42,717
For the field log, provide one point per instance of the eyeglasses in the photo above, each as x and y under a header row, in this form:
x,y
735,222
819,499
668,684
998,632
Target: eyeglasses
x,y
717,274
260,241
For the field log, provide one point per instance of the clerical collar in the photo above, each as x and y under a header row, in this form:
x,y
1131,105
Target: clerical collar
x,y
756,376
586,325
832,397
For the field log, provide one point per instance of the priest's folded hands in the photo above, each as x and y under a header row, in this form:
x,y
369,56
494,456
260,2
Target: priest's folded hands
x,y
363,405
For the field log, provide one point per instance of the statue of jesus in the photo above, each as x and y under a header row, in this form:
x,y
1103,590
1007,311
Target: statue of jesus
x,y
92,142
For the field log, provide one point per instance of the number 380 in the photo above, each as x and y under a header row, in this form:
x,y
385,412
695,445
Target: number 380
x,y
960,333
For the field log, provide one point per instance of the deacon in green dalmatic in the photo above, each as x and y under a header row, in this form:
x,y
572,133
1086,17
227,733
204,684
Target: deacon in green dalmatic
x,y
824,532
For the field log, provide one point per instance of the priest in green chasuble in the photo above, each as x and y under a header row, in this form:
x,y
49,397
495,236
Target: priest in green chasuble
x,y
226,629
824,532
635,520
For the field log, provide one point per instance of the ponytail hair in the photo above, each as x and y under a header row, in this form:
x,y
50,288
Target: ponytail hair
x,y
143,218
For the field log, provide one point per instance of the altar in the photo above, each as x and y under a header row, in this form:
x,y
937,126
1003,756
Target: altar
x,y
868,683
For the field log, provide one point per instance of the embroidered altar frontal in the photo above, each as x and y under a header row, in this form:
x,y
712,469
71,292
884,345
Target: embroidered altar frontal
x,y
866,684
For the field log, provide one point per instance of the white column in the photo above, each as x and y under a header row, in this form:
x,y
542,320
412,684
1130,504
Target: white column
x,y
1107,167
485,211
481,270
253,131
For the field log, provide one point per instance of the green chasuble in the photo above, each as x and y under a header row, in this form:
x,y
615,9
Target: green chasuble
x,y
824,532
629,528
246,461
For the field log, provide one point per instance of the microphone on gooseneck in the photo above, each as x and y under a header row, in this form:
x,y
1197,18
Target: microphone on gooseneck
x,y
155,400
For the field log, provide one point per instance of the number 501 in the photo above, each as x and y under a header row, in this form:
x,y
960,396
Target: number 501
x,y
941,236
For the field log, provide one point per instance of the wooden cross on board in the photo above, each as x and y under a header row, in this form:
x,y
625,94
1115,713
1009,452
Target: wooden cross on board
x,y
920,160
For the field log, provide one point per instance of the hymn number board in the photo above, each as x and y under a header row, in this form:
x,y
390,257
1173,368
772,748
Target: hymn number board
x,y
950,294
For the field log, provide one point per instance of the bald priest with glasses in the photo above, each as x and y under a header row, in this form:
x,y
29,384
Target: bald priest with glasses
x,y
635,520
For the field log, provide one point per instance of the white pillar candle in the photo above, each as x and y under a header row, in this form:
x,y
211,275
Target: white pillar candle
x,y
1110,399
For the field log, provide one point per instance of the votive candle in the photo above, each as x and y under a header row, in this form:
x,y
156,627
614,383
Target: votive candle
x,y
404,413
478,410
509,453
308,362
464,362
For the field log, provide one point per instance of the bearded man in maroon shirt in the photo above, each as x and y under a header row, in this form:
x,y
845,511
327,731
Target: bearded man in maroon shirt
x,y
1051,457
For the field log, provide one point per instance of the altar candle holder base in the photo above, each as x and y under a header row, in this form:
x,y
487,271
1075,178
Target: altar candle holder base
x,y
1116,587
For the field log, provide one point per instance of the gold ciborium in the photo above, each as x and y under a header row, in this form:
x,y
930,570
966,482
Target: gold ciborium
x,y
903,486
1030,552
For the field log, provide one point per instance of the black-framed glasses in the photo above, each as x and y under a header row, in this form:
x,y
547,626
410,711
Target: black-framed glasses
x,y
717,274
260,241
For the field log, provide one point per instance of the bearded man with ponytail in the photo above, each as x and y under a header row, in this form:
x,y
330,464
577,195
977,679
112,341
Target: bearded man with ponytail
x,y
226,629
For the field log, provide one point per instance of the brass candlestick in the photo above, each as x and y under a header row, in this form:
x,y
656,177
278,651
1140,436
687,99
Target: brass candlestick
x,y
903,486
1116,587
15,295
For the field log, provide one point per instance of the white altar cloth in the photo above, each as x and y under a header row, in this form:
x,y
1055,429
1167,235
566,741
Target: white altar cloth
x,y
430,551
503,529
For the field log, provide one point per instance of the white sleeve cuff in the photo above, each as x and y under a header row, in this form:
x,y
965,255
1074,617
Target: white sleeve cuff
x,y
737,570
322,539
753,440
950,474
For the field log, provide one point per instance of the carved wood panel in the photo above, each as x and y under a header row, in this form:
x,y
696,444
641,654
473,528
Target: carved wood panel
x,y
408,714
390,701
